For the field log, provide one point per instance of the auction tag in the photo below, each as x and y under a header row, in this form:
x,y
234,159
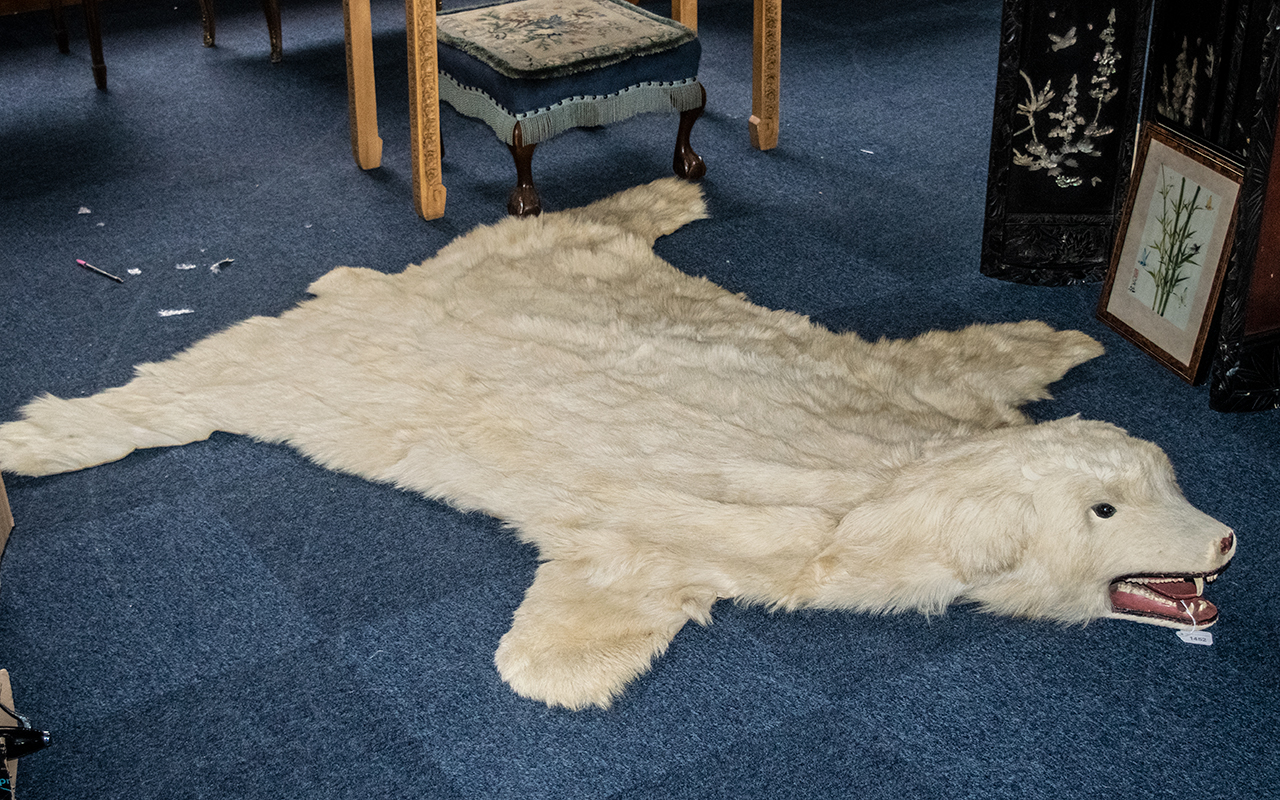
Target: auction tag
x,y
1196,637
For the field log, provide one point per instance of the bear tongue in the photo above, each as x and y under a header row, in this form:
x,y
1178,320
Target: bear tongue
x,y
1176,599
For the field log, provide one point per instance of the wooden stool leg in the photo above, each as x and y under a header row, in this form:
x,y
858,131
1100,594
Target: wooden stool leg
x,y
524,200
271,10
208,22
95,43
688,164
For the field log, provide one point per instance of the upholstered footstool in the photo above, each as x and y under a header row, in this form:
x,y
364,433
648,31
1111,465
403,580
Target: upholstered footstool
x,y
532,69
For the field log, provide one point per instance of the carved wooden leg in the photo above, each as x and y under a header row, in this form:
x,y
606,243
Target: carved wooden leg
x,y
524,200
209,21
766,51
424,108
688,164
95,43
271,10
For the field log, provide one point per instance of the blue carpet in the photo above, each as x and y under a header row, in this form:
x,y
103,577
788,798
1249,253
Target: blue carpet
x,y
228,619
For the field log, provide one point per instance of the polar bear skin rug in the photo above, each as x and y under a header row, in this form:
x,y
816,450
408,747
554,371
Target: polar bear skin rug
x,y
665,443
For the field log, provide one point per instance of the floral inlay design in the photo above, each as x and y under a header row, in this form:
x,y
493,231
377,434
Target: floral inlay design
x,y
1072,134
1178,87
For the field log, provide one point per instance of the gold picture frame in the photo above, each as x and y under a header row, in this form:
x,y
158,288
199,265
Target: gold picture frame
x,y
1172,249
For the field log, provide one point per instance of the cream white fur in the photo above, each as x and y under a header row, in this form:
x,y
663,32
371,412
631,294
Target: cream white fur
x,y
665,443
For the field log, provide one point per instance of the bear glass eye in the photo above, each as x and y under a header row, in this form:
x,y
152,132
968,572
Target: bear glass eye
x,y
1104,510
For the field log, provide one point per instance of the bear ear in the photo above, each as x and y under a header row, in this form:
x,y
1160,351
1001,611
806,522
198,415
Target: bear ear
x,y
974,532
982,497
986,535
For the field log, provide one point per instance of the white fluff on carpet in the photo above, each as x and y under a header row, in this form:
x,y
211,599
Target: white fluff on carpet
x,y
665,443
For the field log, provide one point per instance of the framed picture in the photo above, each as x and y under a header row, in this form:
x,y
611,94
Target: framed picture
x,y
1172,249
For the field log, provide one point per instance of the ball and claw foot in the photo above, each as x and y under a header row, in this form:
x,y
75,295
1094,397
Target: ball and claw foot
x,y
687,164
523,200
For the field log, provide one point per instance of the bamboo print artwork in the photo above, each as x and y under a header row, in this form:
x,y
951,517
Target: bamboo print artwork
x,y
1175,250
1181,215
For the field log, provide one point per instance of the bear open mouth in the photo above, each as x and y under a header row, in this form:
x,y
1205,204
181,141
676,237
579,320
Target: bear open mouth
x,y
1175,601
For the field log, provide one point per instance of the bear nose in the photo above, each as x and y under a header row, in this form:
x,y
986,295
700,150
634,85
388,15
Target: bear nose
x,y
1225,545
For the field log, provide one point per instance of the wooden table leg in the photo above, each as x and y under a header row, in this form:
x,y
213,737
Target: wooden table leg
x,y
6,518
686,13
271,10
95,43
6,698
424,108
59,26
766,73
362,101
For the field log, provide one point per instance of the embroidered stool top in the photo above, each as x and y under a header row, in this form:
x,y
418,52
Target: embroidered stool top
x,y
556,64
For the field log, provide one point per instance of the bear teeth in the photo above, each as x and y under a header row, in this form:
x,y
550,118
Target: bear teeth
x,y
1138,588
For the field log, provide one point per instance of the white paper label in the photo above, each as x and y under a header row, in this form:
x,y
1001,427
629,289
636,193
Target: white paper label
x,y
1196,637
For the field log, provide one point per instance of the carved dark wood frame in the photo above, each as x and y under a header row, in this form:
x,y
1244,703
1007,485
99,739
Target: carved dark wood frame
x,y
1246,372
1073,248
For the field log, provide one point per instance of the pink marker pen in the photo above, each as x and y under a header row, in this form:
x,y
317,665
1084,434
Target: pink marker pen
x,y
89,266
